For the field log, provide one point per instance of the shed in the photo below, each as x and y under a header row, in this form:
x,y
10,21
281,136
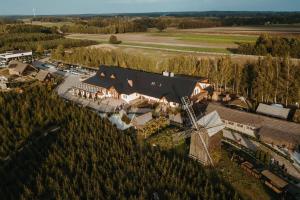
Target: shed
x,y
21,69
176,119
273,110
44,76
274,180
241,103
141,120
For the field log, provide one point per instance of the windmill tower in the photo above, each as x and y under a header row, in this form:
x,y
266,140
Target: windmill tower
x,y
202,137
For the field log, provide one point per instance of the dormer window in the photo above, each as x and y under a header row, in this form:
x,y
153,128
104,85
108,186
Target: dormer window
x,y
130,83
113,76
102,74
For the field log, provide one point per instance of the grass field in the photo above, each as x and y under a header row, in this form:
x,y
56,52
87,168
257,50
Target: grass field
x,y
209,38
158,43
250,187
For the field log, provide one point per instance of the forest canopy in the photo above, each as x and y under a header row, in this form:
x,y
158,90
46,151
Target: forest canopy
x,y
88,158
29,37
273,45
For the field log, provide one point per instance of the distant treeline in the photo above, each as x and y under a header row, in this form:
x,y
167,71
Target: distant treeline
x,y
267,80
125,25
7,20
273,45
131,23
32,37
26,28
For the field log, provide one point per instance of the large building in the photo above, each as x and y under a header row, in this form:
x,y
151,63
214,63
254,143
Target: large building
x,y
252,131
129,85
5,58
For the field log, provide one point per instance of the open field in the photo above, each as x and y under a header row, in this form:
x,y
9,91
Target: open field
x,y
208,38
244,30
206,42
213,41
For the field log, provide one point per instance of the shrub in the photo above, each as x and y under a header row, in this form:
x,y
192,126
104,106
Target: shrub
x,y
114,40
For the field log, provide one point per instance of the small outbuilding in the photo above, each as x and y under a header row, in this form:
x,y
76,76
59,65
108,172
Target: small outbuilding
x,y
274,182
140,121
21,69
44,76
274,110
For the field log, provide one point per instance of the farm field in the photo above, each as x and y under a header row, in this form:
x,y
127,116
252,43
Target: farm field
x,y
213,41
244,30
206,42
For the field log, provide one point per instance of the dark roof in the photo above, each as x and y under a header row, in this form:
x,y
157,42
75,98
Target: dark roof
x,y
149,84
38,64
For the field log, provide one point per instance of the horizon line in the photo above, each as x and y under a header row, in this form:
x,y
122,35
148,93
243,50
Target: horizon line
x,y
151,12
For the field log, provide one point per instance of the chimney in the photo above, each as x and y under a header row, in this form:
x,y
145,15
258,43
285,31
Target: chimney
x,y
130,82
165,73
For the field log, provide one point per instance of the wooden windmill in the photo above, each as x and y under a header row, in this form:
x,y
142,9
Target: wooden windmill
x,y
202,136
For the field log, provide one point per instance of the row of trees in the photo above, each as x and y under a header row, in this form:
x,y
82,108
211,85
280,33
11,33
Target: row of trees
x,y
31,37
46,44
88,158
267,80
124,25
274,45
28,28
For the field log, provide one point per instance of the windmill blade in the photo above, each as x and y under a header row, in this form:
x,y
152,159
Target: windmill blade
x,y
191,114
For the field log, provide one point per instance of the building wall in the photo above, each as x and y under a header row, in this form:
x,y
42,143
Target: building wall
x,y
130,97
245,129
240,139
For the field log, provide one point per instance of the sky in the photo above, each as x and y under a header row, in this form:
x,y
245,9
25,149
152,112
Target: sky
x,y
44,7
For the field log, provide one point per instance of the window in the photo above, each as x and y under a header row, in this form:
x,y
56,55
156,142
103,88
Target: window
x,y
153,83
125,96
231,123
196,91
240,125
113,76
130,83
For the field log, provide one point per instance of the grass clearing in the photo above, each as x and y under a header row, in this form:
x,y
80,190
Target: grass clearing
x,y
248,186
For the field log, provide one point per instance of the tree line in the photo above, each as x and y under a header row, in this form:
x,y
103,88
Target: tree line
x,y
273,45
267,80
88,158
32,37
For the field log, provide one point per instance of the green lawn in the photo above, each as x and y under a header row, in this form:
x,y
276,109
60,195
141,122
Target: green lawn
x,y
180,48
209,38
248,186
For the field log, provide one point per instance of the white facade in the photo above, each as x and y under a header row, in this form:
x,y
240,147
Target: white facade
x,y
204,85
130,97
8,55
